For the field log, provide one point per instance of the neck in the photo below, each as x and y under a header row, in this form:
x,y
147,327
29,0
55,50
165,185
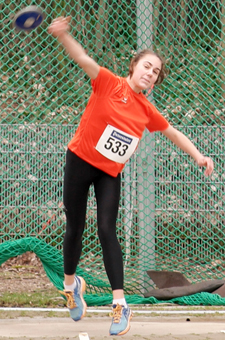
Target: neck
x,y
132,86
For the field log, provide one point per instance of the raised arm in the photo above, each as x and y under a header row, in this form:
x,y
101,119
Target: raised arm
x,y
59,29
187,146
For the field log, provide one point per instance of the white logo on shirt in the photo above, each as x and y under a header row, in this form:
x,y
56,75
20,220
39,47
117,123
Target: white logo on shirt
x,y
124,100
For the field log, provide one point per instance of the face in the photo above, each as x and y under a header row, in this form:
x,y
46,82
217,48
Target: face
x,y
145,73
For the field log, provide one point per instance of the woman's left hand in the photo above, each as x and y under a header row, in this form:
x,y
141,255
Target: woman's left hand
x,y
207,162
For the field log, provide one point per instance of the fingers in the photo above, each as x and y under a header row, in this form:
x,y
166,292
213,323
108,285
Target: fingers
x,y
68,18
59,25
209,166
208,163
61,20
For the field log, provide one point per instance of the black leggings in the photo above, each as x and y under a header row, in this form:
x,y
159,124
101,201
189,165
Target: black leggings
x,y
79,175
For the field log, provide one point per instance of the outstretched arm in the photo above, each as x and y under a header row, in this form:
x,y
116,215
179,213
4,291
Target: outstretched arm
x,y
187,146
59,29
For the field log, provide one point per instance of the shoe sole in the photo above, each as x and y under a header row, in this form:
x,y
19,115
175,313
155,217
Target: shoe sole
x,y
83,288
126,329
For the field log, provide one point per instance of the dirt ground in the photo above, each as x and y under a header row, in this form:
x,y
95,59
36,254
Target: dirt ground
x,y
25,274
97,328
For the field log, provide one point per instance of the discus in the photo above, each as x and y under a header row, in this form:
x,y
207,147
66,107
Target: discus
x,y
28,18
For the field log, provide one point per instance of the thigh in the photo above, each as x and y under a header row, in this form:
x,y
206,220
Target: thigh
x,y
107,191
76,184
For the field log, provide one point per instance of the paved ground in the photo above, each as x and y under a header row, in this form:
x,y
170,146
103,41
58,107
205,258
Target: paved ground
x,y
177,327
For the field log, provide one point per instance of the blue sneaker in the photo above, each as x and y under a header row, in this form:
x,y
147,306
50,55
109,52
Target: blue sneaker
x,y
120,320
75,301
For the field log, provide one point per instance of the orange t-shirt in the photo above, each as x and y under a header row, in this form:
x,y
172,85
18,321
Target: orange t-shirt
x,y
113,123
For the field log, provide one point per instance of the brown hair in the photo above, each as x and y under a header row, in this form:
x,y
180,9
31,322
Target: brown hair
x,y
140,55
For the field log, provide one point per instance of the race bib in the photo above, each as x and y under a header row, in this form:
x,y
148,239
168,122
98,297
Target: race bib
x,y
116,145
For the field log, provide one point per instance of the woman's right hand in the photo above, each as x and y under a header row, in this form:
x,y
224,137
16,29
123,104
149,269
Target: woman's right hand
x,y
59,26
73,48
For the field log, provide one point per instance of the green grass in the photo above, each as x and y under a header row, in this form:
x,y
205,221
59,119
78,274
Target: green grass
x,y
42,299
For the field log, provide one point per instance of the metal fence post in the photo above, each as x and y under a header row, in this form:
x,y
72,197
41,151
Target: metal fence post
x,y
146,199
146,195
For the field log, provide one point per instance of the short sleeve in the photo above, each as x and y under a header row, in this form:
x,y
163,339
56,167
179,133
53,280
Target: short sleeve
x,y
156,122
105,82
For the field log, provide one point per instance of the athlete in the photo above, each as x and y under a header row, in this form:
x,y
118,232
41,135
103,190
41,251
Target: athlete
x,y
108,134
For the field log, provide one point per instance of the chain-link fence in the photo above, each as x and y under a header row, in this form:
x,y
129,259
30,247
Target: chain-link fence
x,y
171,216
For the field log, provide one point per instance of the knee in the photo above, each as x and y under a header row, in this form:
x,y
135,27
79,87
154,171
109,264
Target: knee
x,y
107,237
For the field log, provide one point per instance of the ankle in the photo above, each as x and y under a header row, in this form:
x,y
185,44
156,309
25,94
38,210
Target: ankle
x,y
70,287
121,302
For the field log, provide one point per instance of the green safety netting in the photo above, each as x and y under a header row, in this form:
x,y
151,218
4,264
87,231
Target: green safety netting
x,y
53,264
171,216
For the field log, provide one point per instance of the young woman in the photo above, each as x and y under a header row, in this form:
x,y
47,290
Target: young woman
x,y
110,129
